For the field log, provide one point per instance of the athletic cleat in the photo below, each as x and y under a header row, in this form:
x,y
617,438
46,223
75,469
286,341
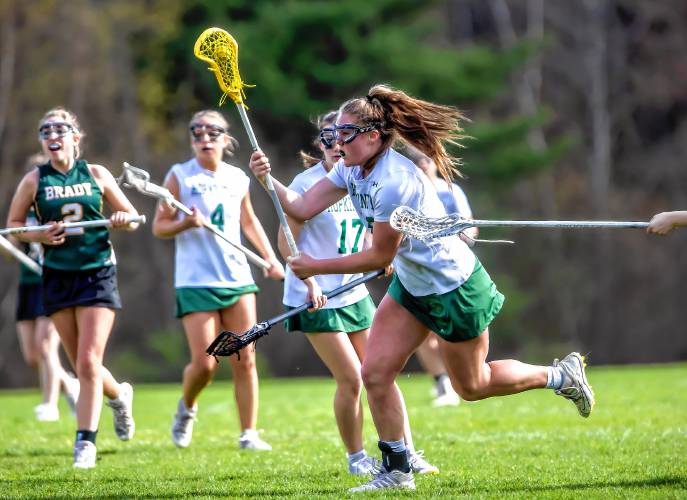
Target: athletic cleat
x,y
84,455
444,393
575,386
46,412
364,466
419,465
71,392
182,427
384,479
122,412
249,440
447,399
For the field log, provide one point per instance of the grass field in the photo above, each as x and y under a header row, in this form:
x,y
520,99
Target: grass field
x,y
528,445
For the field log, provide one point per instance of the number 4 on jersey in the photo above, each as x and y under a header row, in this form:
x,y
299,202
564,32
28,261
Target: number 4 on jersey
x,y
217,217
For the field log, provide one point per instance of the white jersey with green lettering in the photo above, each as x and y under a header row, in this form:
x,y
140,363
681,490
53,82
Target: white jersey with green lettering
x,y
336,232
423,268
202,259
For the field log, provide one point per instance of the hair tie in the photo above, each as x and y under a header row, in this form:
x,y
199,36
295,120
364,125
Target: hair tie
x,y
369,98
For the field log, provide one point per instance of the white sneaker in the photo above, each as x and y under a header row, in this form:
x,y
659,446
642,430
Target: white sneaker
x,y
182,427
47,413
71,392
84,455
364,466
122,412
445,395
575,386
383,479
419,465
249,440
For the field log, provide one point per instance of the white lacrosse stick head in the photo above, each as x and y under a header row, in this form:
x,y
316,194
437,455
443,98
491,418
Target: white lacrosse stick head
x,y
415,225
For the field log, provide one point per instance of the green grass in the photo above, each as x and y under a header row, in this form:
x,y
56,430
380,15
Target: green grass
x,y
528,445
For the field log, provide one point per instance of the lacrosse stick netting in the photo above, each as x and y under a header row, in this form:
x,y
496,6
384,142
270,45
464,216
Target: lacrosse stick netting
x,y
219,49
415,225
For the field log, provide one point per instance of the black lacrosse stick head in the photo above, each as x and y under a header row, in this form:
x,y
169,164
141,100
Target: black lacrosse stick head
x,y
229,343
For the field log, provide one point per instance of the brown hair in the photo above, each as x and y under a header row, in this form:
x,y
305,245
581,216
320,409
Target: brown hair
x,y
216,115
321,122
70,118
421,124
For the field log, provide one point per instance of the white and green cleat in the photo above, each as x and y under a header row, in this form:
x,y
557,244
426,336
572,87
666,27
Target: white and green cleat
x,y
383,480
575,386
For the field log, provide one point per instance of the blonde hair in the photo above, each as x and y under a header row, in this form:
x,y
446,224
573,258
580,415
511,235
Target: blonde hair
x,y
400,117
70,118
219,117
322,121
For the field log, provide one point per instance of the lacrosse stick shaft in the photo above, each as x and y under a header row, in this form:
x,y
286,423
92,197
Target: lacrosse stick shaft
x,y
556,223
136,178
20,256
337,291
290,240
228,343
67,225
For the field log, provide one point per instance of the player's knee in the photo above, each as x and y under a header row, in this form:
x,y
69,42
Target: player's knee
x,y
469,390
376,378
351,384
205,369
88,367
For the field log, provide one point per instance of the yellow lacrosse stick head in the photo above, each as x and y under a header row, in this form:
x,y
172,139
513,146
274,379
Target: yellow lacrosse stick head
x,y
219,49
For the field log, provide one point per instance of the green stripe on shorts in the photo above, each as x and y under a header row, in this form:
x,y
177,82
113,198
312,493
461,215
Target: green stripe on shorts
x,y
458,315
348,319
190,300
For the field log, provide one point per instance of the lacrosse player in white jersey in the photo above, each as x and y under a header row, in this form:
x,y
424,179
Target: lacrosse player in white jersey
x,y
214,285
339,328
454,200
438,286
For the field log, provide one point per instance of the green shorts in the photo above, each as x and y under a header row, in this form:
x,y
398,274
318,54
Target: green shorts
x,y
458,315
190,300
347,319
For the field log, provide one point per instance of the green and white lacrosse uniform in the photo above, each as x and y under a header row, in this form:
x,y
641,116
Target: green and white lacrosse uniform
x,y
453,198
30,291
440,282
336,232
210,274
81,271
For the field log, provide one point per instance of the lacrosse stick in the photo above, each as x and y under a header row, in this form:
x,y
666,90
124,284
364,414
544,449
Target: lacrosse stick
x,y
68,225
138,179
20,256
228,343
414,224
219,49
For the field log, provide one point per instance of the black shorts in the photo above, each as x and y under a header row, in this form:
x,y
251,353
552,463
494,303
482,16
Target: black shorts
x,y
92,287
30,302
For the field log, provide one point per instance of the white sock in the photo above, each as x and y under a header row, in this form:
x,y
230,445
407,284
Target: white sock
x,y
357,456
554,377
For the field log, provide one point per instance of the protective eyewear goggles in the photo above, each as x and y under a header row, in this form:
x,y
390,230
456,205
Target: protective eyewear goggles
x,y
344,133
60,129
214,132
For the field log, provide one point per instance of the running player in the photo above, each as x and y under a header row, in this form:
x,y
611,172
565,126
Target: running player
x,y
454,200
338,330
79,277
214,286
438,286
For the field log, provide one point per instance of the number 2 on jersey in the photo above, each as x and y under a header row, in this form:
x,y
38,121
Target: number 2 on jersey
x,y
72,212
355,223
217,217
